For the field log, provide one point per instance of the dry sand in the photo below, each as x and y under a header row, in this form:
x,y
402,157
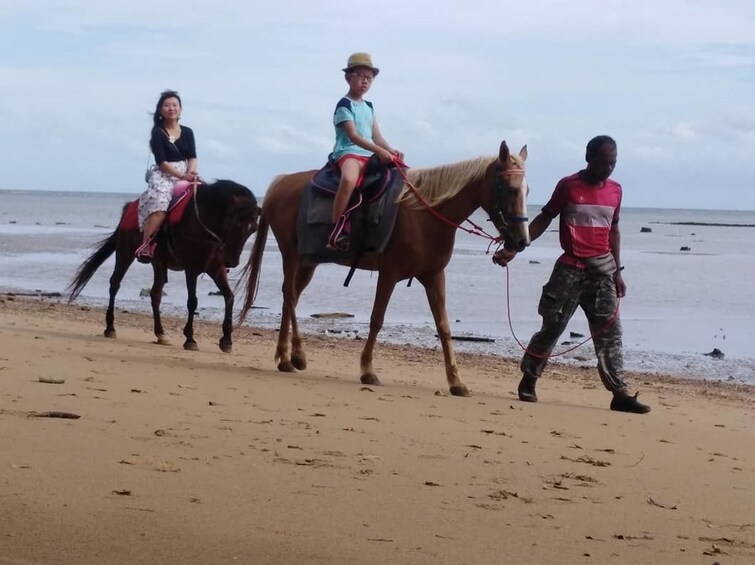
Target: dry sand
x,y
203,457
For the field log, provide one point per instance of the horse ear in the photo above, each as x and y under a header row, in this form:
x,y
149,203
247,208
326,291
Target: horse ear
x,y
503,153
523,153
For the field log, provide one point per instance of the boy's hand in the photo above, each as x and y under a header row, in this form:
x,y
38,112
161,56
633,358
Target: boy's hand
x,y
385,156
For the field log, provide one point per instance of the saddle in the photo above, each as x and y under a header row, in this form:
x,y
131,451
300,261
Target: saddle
x,y
373,215
176,208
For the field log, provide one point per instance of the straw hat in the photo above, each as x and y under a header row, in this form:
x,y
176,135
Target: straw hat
x,y
360,60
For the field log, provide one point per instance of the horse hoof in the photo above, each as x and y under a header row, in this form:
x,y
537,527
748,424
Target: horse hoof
x,y
299,363
460,390
286,367
191,346
225,347
370,379
162,340
110,333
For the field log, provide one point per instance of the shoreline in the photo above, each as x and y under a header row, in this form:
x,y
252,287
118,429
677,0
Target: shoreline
x,y
206,457
173,322
142,319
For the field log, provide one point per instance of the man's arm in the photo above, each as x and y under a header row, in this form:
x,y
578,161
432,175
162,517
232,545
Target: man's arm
x,y
539,225
537,228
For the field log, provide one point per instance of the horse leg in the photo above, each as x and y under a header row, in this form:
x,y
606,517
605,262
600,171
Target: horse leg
x,y
156,296
122,263
435,288
382,297
191,308
303,277
288,312
221,280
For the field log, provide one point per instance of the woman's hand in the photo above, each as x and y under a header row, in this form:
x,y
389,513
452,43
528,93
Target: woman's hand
x,y
191,176
399,155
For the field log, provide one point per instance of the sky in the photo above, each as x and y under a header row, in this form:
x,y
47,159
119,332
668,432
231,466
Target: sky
x,y
673,82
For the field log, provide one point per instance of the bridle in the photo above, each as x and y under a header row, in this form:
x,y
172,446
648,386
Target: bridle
x,y
501,190
218,240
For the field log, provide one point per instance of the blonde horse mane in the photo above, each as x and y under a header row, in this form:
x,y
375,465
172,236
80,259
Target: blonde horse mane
x,y
438,184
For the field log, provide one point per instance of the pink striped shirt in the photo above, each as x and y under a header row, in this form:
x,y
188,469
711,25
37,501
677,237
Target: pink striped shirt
x,y
587,214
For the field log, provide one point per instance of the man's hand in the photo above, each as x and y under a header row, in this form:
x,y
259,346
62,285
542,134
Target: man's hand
x,y
621,287
503,256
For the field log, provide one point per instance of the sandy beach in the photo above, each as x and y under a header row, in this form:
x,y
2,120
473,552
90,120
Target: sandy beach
x,y
204,457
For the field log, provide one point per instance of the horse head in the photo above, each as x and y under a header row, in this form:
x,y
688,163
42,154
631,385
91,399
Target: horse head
x,y
241,224
232,215
509,203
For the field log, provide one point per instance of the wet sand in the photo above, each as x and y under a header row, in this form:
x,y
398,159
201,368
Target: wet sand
x,y
204,457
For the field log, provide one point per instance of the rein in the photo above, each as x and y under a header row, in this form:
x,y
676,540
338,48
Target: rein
x,y
475,229
199,219
592,336
479,231
216,240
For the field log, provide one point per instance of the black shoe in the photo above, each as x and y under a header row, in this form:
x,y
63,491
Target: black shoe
x,y
625,402
526,389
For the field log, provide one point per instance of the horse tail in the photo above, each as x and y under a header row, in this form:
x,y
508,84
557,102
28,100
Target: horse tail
x,y
253,266
105,249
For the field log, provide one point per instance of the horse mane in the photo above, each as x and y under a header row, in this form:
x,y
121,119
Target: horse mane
x,y
217,196
438,184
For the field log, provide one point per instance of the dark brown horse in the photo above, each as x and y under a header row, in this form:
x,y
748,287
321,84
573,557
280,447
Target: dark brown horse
x,y
208,239
420,246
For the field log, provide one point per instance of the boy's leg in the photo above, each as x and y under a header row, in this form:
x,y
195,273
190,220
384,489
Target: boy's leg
x,y
351,169
351,173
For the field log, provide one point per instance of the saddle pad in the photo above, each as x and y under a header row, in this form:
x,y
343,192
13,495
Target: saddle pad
x,y
176,208
371,224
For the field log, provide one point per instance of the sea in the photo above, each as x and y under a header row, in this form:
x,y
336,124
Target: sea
x,y
690,276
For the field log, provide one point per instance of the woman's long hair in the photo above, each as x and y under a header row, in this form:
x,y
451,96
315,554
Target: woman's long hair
x,y
157,117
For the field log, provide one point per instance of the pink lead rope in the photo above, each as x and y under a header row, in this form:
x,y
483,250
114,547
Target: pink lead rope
x,y
479,231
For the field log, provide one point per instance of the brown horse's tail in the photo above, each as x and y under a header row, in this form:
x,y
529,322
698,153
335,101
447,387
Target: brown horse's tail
x,y
253,266
104,250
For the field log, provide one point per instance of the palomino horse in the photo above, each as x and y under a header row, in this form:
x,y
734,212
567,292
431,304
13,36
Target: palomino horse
x,y
208,239
420,246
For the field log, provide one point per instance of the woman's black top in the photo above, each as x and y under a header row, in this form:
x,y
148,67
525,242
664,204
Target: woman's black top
x,y
180,150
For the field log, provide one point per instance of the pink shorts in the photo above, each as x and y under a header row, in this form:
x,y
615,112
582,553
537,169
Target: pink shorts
x,y
361,158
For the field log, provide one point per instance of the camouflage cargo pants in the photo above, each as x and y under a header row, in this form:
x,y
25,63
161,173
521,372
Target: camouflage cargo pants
x,y
568,288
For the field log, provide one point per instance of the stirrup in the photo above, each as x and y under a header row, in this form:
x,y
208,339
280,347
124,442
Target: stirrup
x,y
146,251
339,239
339,243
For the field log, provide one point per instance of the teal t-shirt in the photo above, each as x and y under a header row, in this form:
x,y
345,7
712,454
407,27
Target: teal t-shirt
x,y
363,115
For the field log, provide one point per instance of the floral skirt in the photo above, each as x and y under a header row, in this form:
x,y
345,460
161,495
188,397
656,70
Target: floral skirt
x,y
159,191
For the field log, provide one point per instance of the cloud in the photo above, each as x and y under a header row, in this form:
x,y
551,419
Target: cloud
x,y
672,81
